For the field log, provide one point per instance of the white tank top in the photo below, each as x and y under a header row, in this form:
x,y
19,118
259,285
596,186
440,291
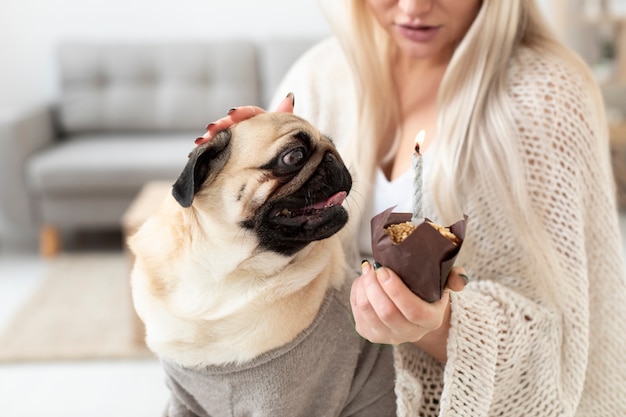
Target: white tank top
x,y
385,194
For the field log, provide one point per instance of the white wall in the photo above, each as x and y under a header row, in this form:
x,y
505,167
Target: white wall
x,y
30,29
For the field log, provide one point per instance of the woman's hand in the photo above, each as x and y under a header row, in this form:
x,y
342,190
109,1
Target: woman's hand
x,y
386,311
238,114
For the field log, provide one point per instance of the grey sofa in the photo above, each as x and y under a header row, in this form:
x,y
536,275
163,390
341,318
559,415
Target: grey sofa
x,y
126,114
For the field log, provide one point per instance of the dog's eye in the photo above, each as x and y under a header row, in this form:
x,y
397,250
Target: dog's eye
x,y
293,157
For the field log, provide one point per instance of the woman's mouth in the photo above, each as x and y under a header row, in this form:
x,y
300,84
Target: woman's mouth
x,y
418,33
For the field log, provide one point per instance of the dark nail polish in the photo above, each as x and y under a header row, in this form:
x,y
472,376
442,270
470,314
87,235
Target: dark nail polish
x,y
232,110
365,266
465,278
293,99
376,265
210,125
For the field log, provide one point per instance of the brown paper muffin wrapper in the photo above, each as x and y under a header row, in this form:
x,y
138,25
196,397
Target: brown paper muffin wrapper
x,y
423,260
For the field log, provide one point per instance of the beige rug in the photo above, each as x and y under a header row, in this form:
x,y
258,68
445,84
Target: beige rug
x,y
82,310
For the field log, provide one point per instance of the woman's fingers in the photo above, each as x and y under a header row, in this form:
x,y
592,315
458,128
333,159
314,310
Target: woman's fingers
x,y
238,114
365,316
457,279
410,307
213,128
386,311
287,104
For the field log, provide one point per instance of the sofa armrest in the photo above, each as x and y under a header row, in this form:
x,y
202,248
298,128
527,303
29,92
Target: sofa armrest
x,y
22,133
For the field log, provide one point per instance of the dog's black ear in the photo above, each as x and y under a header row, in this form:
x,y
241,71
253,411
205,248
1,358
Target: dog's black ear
x,y
204,161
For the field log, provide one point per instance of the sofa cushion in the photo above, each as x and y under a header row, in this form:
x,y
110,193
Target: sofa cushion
x,y
108,163
154,87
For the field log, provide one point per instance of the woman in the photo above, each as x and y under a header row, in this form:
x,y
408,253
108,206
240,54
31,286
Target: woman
x,y
516,138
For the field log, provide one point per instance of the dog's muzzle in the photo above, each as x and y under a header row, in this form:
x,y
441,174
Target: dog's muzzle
x,y
313,212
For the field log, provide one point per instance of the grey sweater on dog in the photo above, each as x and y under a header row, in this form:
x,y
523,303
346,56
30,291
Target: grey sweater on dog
x,y
327,371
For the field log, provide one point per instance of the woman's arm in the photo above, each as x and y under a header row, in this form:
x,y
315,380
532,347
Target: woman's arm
x,y
512,348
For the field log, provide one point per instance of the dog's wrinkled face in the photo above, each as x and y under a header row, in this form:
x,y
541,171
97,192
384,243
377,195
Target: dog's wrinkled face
x,y
274,175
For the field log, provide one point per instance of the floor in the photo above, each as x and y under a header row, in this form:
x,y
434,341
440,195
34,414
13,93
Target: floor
x,y
120,388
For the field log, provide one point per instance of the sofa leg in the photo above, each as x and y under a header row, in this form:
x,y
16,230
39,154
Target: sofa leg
x,y
49,241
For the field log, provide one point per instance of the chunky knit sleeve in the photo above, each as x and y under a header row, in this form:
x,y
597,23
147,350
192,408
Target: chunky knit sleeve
x,y
323,89
510,353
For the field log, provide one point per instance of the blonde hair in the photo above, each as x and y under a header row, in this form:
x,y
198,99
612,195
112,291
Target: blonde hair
x,y
368,49
476,119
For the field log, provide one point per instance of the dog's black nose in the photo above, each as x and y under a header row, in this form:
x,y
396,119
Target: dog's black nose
x,y
331,157
338,174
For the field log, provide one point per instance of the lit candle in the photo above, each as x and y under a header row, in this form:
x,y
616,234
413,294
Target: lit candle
x,y
418,213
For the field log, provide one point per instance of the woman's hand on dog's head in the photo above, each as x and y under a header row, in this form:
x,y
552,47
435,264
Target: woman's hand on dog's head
x,y
238,114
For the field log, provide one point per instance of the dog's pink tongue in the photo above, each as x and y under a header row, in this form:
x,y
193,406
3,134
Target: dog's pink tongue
x,y
335,200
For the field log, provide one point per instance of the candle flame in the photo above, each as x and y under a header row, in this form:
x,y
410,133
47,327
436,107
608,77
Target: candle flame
x,y
419,140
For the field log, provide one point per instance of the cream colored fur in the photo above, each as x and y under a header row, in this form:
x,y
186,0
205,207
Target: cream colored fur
x,y
204,290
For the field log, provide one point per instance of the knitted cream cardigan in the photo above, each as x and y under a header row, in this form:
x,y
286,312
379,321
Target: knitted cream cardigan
x,y
508,355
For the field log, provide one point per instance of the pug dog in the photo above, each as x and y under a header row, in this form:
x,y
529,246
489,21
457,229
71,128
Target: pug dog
x,y
241,281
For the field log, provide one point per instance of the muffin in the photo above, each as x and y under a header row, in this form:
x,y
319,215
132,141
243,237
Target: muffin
x,y
421,255
398,232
